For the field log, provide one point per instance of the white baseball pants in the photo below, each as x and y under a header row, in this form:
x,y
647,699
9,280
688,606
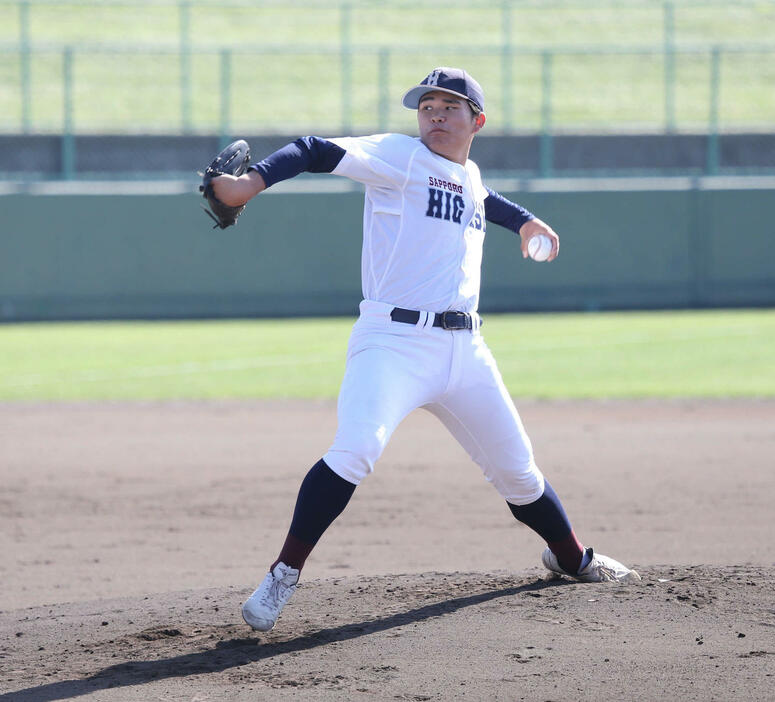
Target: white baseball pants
x,y
394,368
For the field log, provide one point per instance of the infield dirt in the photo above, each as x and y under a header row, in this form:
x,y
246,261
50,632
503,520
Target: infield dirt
x,y
131,533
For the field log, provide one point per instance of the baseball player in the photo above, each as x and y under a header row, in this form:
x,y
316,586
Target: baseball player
x,y
417,341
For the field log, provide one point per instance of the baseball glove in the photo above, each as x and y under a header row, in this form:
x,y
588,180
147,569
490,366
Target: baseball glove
x,y
233,160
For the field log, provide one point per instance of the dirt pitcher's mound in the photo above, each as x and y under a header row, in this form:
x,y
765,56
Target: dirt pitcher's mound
x,y
104,504
691,633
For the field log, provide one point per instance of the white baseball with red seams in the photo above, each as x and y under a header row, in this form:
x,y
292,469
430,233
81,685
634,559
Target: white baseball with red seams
x,y
539,248
423,233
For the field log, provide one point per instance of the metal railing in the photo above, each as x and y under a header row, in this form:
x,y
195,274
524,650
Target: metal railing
x,y
330,67
341,48
132,88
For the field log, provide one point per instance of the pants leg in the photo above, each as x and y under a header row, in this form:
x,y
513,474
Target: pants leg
x,y
390,372
478,411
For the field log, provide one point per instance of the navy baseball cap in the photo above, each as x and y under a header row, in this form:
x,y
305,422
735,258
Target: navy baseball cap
x,y
449,80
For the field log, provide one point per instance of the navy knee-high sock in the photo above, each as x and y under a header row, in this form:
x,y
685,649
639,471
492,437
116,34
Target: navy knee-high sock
x,y
323,495
546,516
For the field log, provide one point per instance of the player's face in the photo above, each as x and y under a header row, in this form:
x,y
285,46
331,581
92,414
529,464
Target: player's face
x,y
447,124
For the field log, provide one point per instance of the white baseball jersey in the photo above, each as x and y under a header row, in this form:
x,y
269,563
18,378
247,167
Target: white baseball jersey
x,y
423,223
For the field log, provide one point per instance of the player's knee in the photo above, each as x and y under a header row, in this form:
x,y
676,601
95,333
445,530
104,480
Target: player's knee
x,y
519,484
355,452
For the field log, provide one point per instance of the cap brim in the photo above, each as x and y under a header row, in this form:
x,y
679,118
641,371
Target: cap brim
x,y
411,99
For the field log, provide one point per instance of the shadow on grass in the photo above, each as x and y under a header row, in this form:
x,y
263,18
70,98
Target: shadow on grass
x,y
241,651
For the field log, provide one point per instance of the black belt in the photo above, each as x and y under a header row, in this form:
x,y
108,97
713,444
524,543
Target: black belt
x,y
451,320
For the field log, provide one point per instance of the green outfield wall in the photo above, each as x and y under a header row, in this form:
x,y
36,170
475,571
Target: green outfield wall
x,y
109,251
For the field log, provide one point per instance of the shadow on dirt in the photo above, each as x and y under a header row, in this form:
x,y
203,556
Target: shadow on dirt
x,y
241,651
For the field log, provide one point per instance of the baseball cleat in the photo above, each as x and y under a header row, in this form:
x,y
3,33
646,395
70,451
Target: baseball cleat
x,y
262,608
598,569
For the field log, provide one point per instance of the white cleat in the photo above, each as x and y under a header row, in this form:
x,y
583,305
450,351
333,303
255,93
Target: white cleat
x,y
262,608
599,569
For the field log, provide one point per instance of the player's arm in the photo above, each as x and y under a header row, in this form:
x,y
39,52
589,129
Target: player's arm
x,y
508,214
307,154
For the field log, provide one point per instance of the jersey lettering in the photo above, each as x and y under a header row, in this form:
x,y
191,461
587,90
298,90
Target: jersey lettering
x,y
444,184
434,203
442,205
460,205
479,222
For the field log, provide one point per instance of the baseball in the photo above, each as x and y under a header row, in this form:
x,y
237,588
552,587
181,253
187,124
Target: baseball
x,y
539,247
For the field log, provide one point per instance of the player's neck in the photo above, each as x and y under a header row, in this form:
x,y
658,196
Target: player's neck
x,y
458,156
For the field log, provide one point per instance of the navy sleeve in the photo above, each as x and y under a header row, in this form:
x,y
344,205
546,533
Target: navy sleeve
x,y
311,154
501,211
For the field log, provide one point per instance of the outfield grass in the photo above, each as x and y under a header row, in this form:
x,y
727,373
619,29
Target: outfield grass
x,y
287,70
607,355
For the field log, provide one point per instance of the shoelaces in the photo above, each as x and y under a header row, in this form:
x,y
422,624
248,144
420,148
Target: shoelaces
x,y
275,593
272,594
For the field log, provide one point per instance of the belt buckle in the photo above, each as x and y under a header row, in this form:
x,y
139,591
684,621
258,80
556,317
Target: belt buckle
x,y
461,320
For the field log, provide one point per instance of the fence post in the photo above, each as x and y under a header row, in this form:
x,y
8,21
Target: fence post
x,y
68,139
698,247
346,66
669,32
225,126
185,64
24,47
506,61
712,160
383,81
546,155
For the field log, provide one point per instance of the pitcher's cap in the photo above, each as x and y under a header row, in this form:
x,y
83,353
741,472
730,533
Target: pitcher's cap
x,y
449,80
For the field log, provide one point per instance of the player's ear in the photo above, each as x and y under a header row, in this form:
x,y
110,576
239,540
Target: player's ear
x,y
479,121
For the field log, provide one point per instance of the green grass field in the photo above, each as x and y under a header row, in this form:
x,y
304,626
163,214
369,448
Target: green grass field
x,y
606,355
287,71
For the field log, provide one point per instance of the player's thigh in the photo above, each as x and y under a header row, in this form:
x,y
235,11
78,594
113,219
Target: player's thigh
x,y
481,415
381,385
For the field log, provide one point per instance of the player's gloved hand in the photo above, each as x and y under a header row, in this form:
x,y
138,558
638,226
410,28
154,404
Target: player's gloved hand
x,y
233,160
534,227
